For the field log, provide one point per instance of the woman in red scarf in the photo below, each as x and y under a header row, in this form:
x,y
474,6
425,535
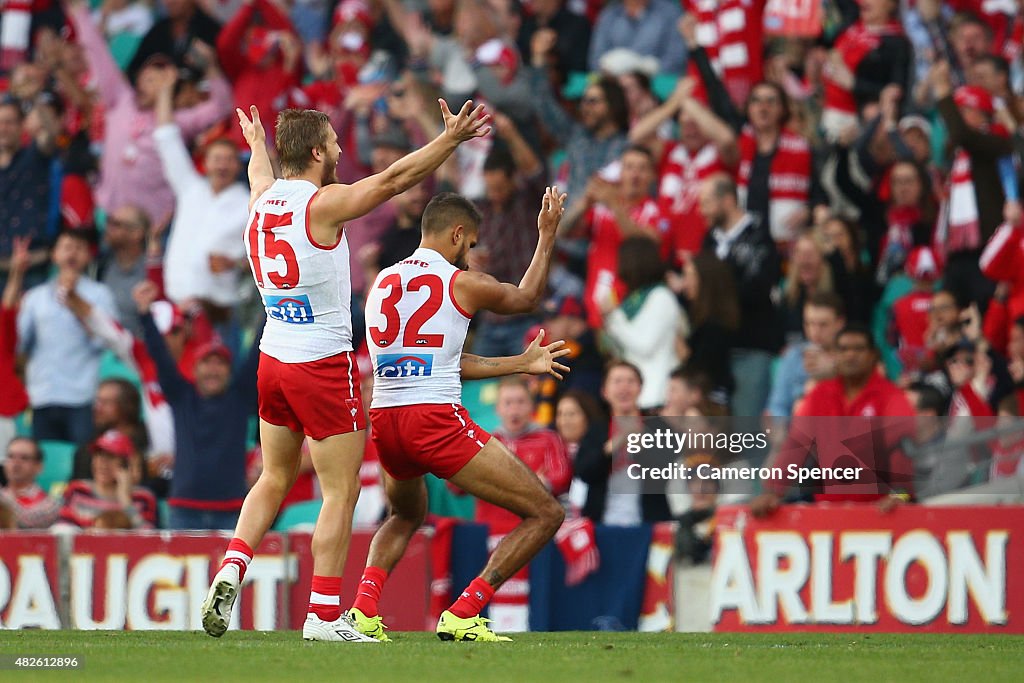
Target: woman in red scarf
x,y
867,56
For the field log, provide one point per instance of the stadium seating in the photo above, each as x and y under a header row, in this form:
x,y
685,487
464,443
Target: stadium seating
x,y
58,462
298,514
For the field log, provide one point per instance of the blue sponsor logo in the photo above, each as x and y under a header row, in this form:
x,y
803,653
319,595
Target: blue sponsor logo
x,y
294,310
404,365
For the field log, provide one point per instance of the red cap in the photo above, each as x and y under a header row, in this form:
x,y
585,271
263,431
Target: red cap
x,y
213,348
974,97
496,52
922,264
114,443
353,10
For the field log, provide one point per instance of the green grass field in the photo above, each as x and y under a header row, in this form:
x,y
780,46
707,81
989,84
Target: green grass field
x,y
579,656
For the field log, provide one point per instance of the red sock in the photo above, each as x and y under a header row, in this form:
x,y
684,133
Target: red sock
x,y
239,554
473,599
368,593
325,597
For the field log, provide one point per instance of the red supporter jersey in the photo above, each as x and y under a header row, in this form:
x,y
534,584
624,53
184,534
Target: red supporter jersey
x,y
543,451
910,314
879,397
603,257
732,34
681,175
13,398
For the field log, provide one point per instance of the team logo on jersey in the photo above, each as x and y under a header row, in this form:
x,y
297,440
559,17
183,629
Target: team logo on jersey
x,y
404,365
294,310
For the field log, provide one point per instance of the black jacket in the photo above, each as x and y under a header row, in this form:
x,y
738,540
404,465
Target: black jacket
x,y
756,267
593,467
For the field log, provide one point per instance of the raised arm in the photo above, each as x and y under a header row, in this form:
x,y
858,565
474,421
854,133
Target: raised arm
x,y
110,81
198,118
650,122
714,129
261,171
16,275
177,164
535,360
337,203
476,291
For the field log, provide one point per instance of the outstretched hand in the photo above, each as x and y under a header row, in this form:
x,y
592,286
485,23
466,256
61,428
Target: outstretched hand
x,y
252,129
542,360
469,123
20,256
552,206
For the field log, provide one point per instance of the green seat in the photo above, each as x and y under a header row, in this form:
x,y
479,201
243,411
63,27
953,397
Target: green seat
x,y
58,463
111,367
443,503
575,83
123,47
23,423
662,85
478,398
163,514
298,514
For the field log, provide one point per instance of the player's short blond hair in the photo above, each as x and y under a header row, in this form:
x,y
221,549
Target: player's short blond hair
x,y
297,134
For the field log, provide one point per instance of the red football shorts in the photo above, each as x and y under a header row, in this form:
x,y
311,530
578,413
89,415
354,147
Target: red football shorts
x,y
320,398
439,438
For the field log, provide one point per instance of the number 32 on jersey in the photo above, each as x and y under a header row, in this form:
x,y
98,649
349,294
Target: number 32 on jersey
x,y
413,337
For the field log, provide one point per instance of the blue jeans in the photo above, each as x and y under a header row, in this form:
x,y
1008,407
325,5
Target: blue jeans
x,y
63,423
187,518
496,339
752,371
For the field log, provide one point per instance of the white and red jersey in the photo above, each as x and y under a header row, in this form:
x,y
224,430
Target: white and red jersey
x,y
732,34
682,174
306,287
789,181
133,353
415,332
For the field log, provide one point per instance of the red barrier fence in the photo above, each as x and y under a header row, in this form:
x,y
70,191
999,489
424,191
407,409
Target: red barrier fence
x,y
157,580
854,568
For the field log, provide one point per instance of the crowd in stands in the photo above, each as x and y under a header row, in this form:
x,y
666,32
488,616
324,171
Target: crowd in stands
x,y
770,213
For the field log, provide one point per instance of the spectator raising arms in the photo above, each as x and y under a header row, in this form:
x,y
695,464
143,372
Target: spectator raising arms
x,y
211,420
204,249
129,166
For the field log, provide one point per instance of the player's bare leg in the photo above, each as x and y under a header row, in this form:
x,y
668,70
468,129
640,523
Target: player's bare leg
x,y
336,460
281,458
408,502
500,478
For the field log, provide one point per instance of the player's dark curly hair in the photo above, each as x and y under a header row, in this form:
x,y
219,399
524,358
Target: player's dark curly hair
x,y
446,210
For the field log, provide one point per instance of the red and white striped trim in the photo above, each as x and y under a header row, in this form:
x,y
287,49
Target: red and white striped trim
x,y
321,599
